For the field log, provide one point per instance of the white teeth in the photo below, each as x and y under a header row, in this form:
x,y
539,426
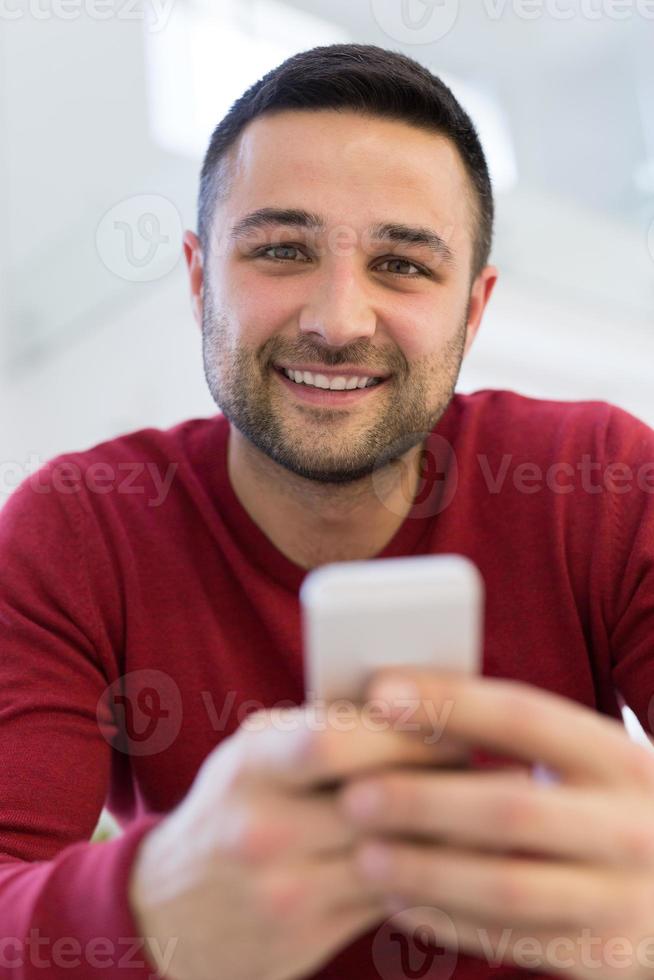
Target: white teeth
x,y
338,383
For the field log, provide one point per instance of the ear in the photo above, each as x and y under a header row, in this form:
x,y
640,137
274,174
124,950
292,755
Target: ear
x,y
194,261
479,297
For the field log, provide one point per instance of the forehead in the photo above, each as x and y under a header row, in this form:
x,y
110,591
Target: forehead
x,y
353,168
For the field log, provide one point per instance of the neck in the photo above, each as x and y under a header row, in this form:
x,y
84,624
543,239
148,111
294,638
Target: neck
x,y
313,523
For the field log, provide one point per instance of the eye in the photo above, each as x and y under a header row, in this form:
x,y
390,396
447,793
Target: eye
x,y
283,253
398,267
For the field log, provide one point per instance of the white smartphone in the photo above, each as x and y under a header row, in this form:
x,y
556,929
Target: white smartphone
x,y
359,616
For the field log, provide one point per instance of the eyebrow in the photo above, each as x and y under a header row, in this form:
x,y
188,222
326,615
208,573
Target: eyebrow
x,y
399,234
267,217
415,235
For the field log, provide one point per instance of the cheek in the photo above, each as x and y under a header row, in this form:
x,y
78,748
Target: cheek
x,y
417,328
423,326
261,307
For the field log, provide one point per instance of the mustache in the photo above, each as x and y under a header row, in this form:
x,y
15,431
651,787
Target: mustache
x,y
357,354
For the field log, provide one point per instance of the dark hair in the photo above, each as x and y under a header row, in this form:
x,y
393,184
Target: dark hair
x,y
362,78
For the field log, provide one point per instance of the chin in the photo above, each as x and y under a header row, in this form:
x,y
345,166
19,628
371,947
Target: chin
x,y
325,475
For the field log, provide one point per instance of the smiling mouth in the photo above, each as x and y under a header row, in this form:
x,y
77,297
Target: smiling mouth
x,y
324,382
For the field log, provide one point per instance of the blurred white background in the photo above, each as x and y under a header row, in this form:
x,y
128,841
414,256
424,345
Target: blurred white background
x,y
106,107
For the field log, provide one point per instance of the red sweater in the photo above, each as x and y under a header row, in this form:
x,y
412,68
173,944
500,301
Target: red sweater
x,y
133,564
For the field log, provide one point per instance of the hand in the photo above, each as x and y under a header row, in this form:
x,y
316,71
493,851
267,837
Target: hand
x,y
253,874
576,896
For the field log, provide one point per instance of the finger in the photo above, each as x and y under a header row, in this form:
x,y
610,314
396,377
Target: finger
x,y
502,810
269,827
503,890
301,750
314,887
526,722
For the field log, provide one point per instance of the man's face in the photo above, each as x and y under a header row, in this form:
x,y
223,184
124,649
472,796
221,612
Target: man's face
x,y
370,277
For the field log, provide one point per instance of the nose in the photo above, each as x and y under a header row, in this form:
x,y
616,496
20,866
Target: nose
x,y
338,311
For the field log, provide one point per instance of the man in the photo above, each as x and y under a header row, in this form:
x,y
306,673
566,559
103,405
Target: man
x,y
345,225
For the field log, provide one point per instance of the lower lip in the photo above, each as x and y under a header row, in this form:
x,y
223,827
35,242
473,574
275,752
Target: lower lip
x,y
324,396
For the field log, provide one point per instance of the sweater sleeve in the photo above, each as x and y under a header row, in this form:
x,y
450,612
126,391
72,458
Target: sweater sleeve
x,y
63,899
630,563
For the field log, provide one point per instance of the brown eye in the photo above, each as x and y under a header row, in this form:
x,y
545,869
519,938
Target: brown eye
x,y
284,253
401,267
